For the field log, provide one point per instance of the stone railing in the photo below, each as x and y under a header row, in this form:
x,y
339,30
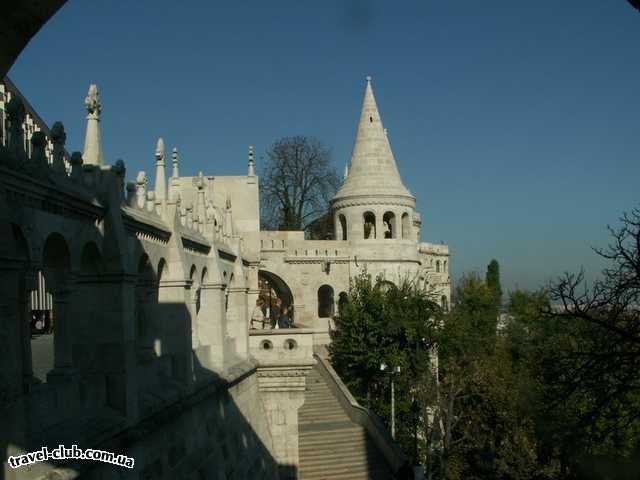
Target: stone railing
x,y
284,357
392,452
284,346
31,123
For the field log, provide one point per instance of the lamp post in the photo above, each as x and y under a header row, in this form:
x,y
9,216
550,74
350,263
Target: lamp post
x,y
383,367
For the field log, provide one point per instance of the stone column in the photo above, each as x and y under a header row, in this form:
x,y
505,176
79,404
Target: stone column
x,y
238,321
254,291
62,339
11,356
282,392
379,225
23,298
173,323
211,326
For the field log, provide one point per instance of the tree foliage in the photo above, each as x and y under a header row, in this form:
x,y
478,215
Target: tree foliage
x,y
552,392
297,181
394,325
493,281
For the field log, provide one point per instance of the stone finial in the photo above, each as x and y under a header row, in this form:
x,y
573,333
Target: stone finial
x,y
58,138
251,170
228,218
160,150
92,100
151,201
141,188
76,166
174,161
38,163
132,197
368,78
346,171
119,168
183,216
161,185
190,216
93,139
199,181
15,144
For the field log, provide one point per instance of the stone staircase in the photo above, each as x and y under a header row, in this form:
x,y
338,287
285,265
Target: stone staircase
x,y
333,447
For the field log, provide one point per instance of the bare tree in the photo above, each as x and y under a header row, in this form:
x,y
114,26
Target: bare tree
x,y
605,364
297,182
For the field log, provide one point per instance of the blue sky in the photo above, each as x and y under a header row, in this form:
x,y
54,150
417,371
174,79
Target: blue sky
x,y
515,124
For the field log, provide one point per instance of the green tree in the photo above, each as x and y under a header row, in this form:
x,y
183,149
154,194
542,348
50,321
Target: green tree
x,y
392,324
493,281
483,430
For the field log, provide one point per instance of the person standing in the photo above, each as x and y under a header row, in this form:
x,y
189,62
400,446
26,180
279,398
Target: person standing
x,y
283,321
257,317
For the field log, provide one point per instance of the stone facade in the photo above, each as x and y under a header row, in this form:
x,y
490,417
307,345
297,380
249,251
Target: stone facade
x,y
152,287
377,230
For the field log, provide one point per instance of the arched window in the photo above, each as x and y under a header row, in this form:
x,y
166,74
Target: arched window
x,y
437,266
56,263
389,221
444,266
405,225
445,303
343,299
369,225
325,301
342,227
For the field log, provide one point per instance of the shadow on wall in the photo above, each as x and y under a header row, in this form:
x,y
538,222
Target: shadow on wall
x,y
126,377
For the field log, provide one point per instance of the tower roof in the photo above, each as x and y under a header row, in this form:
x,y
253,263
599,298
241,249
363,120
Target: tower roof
x,y
373,170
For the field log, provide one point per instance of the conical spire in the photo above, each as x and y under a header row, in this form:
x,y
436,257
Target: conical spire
x,y
373,170
93,140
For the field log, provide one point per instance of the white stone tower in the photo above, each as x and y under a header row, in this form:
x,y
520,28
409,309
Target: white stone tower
x,y
373,205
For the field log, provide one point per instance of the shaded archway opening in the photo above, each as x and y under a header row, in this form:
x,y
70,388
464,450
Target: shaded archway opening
x,y
444,302
369,219
342,227
275,295
56,269
325,301
389,221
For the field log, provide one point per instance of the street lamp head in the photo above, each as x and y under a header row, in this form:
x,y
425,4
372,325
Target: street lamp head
x,y
383,367
397,369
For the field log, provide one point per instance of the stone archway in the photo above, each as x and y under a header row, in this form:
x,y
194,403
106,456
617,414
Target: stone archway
x,y
275,295
19,23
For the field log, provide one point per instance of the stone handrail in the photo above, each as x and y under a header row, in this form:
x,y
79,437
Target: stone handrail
x,y
363,416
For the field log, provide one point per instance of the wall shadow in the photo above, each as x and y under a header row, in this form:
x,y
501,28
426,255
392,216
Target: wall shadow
x,y
127,378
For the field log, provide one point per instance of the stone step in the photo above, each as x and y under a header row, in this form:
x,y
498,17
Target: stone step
x,y
351,471
329,436
331,446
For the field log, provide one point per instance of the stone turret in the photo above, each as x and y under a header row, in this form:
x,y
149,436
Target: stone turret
x,y
93,139
373,202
